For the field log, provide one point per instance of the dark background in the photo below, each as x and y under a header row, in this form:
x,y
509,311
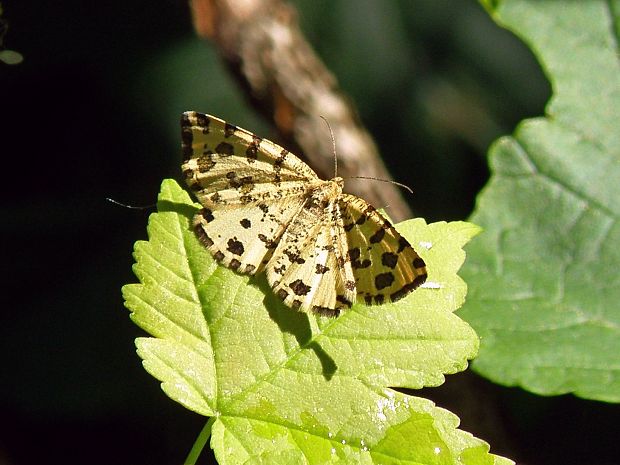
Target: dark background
x,y
93,111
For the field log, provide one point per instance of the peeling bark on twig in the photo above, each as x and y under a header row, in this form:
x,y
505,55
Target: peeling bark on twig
x,y
262,44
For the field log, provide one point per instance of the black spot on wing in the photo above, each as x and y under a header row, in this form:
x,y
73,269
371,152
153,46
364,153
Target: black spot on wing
x,y
203,236
402,244
205,163
324,311
417,282
203,121
225,149
269,243
294,258
383,280
235,246
344,301
280,160
321,269
229,129
207,214
251,153
247,224
299,287
389,259
246,183
354,255
249,268
277,165
377,236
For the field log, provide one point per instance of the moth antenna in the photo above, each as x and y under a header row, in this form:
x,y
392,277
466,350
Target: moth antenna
x,y
404,186
130,206
331,133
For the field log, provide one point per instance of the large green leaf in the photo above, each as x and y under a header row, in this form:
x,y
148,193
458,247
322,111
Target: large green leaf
x,y
544,281
287,387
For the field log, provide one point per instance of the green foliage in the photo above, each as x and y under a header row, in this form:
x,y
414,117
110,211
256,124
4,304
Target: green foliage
x,y
545,288
287,387
11,57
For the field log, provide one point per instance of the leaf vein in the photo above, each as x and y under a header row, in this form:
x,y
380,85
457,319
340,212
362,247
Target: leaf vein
x,y
580,195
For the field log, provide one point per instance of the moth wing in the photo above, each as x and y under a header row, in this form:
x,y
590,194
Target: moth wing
x,y
385,265
244,236
308,269
218,156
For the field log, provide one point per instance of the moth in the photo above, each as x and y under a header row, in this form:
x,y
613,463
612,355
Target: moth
x,y
265,210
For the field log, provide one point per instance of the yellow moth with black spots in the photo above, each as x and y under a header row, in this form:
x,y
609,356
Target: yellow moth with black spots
x,y
266,210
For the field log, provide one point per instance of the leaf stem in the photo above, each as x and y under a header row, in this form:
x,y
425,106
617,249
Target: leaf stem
x,y
200,442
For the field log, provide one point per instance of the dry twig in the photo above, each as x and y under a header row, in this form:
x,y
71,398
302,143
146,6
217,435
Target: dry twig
x,y
262,44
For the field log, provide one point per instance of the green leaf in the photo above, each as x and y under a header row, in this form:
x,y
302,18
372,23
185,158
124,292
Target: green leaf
x,y
11,57
545,287
288,387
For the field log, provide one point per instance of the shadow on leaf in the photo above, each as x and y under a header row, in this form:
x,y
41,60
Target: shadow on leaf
x,y
177,207
297,324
